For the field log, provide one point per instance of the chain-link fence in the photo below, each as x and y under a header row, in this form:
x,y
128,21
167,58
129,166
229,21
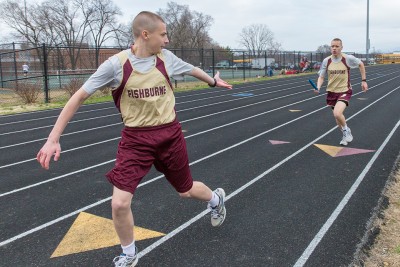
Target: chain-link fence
x,y
53,73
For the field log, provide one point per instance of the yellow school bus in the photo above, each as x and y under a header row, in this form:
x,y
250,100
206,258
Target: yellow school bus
x,y
388,58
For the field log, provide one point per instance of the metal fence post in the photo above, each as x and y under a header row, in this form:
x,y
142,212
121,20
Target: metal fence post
x,y
244,70
1,74
45,76
15,62
265,67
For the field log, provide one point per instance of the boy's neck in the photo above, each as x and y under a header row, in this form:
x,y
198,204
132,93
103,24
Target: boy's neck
x,y
337,56
139,51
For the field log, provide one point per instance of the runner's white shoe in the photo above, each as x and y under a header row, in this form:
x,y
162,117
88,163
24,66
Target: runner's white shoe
x,y
124,260
218,212
347,137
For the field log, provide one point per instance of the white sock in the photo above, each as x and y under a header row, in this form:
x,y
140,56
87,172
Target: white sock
x,y
214,200
129,249
344,128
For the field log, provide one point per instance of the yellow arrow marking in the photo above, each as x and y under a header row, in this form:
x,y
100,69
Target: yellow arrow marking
x,y
330,150
90,232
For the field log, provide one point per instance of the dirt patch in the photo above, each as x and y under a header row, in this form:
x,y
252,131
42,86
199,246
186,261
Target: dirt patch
x,y
383,249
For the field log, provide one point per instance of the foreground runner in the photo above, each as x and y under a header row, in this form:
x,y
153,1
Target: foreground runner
x,y
143,93
339,88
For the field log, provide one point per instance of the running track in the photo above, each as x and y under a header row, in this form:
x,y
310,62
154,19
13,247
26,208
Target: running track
x,y
289,204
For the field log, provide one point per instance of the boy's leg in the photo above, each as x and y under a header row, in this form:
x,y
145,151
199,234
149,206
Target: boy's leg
x,y
341,122
198,191
122,215
338,114
215,199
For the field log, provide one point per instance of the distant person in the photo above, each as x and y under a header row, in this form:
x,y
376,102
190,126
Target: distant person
x,y
304,64
270,72
143,93
25,69
339,90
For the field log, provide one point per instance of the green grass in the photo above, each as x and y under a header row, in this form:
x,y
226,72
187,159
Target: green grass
x,y
9,108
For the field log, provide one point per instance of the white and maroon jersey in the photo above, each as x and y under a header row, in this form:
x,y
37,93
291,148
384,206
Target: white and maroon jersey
x,y
145,98
141,87
338,71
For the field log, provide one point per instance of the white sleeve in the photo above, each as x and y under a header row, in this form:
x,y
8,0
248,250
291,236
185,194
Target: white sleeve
x,y
352,61
104,76
175,66
322,69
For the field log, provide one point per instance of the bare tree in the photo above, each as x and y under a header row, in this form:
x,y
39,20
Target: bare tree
x,y
124,36
27,26
186,28
324,48
275,48
72,24
257,38
102,21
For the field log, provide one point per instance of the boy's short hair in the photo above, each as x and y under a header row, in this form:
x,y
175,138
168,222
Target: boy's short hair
x,y
338,39
145,20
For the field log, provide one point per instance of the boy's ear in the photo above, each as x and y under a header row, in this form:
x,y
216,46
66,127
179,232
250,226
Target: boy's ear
x,y
145,34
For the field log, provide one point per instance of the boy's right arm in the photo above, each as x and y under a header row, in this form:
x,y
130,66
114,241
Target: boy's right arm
x,y
320,82
52,146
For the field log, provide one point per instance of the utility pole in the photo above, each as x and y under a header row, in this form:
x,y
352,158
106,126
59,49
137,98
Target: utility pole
x,y
367,41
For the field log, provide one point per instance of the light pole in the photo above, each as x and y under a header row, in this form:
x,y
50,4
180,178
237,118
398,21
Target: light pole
x,y
367,45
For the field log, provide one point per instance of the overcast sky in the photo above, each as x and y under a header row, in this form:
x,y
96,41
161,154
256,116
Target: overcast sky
x,y
297,25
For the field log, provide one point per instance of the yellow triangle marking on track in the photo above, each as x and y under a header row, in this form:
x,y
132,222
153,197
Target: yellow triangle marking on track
x,y
330,150
90,232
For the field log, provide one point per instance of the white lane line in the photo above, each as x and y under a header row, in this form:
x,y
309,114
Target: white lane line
x,y
335,214
185,225
112,107
32,159
66,134
254,180
54,178
246,86
47,126
50,117
65,151
158,177
93,144
48,110
266,86
117,114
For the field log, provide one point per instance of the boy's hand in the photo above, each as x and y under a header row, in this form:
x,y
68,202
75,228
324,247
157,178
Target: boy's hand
x,y
48,150
220,82
364,86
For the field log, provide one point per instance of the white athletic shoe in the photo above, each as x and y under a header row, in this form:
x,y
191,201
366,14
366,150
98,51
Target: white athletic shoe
x,y
124,260
218,212
347,137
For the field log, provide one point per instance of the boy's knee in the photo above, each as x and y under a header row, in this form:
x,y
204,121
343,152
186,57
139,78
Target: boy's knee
x,y
120,205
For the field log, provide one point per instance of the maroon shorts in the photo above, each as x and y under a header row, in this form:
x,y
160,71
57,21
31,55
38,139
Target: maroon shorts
x,y
333,98
140,148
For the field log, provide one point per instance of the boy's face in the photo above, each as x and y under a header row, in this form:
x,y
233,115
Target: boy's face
x,y
336,48
158,39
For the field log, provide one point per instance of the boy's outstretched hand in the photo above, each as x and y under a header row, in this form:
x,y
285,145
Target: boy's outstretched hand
x,y
220,82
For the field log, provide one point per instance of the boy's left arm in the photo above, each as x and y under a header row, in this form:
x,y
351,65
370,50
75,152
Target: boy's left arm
x,y
364,85
216,81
